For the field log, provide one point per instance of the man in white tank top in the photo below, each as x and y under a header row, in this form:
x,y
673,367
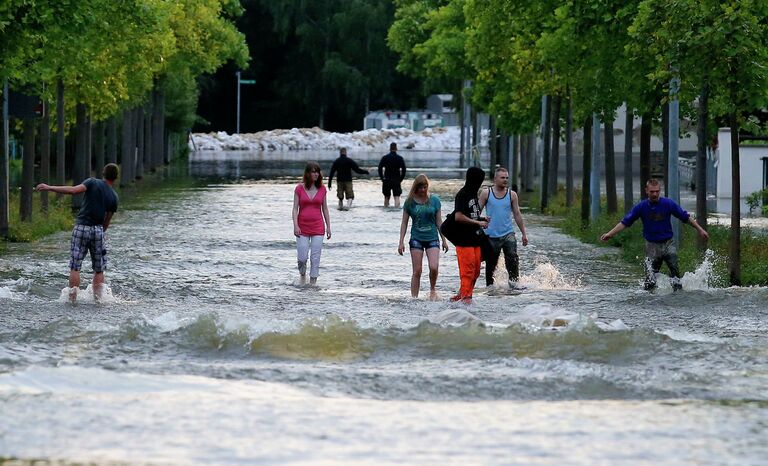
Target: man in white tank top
x,y
501,204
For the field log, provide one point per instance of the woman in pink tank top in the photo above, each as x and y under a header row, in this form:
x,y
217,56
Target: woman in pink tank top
x,y
310,221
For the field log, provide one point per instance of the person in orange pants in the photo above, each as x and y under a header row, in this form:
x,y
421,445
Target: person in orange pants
x,y
469,269
469,233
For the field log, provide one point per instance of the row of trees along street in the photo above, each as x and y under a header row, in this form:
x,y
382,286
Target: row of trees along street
x,y
104,68
587,58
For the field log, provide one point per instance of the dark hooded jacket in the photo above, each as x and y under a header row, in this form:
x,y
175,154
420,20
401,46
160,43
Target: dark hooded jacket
x,y
468,204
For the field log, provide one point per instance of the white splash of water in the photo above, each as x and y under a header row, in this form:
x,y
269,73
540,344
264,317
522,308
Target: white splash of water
x,y
703,278
86,296
545,276
546,316
15,289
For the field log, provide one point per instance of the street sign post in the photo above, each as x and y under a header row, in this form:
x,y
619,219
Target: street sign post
x,y
240,82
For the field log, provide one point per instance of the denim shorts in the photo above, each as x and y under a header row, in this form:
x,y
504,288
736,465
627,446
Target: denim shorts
x,y
418,244
88,239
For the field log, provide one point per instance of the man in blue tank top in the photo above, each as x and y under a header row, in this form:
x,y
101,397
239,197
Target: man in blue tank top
x,y
500,205
656,214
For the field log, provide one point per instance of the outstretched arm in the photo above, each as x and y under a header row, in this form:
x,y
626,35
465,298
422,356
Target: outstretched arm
x,y
80,188
619,227
702,232
518,217
359,170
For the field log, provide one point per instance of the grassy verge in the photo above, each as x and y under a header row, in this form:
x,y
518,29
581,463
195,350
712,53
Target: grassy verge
x,y
754,245
58,217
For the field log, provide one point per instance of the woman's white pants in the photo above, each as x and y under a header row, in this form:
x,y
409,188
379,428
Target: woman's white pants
x,y
310,246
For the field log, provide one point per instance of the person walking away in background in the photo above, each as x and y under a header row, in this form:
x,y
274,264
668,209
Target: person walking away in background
x,y
392,174
501,204
99,205
344,166
311,220
469,237
424,209
656,213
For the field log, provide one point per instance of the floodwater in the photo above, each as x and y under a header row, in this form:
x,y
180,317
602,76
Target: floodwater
x,y
209,352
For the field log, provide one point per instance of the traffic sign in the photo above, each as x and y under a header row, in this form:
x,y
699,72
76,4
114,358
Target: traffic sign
x,y
247,81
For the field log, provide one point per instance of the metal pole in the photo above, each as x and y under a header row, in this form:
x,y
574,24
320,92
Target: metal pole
x,y
594,180
467,123
237,130
674,137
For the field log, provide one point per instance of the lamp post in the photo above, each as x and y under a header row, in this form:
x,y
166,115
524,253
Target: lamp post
x,y
240,82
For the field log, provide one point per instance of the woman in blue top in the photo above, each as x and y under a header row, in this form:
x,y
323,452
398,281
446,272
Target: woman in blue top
x,y
424,209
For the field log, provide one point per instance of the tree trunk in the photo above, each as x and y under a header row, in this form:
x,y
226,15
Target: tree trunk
x,y
546,153
161,137
586,171
493,143
734,259
569,152
148,166
645,152
532,156
139,115
514,162
475,138
61,143
112,139
27,170
81,139
610,167
462,137
126,159
628,172
98,149
88,145
701,164
45,155
503,149
665,146
4,168
555,152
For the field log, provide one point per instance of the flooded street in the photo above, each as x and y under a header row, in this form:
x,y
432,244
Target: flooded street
x,y
210,352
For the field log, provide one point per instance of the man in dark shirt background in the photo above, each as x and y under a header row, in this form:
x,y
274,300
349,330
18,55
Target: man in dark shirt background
x,y
99,204
392,173
656,213
344,166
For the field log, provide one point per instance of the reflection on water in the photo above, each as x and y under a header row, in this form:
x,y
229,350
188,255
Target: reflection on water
x,y
264,165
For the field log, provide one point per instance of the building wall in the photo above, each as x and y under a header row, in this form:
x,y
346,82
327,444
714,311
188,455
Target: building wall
x,y
751,166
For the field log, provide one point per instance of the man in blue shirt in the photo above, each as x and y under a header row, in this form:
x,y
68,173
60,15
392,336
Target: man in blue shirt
x,y
99,204
656,212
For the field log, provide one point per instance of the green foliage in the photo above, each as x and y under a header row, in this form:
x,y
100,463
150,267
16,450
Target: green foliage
x,y
59,217
757,199
338,62
109,54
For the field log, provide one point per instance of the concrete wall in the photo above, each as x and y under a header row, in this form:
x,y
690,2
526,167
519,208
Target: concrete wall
x,y
751,166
